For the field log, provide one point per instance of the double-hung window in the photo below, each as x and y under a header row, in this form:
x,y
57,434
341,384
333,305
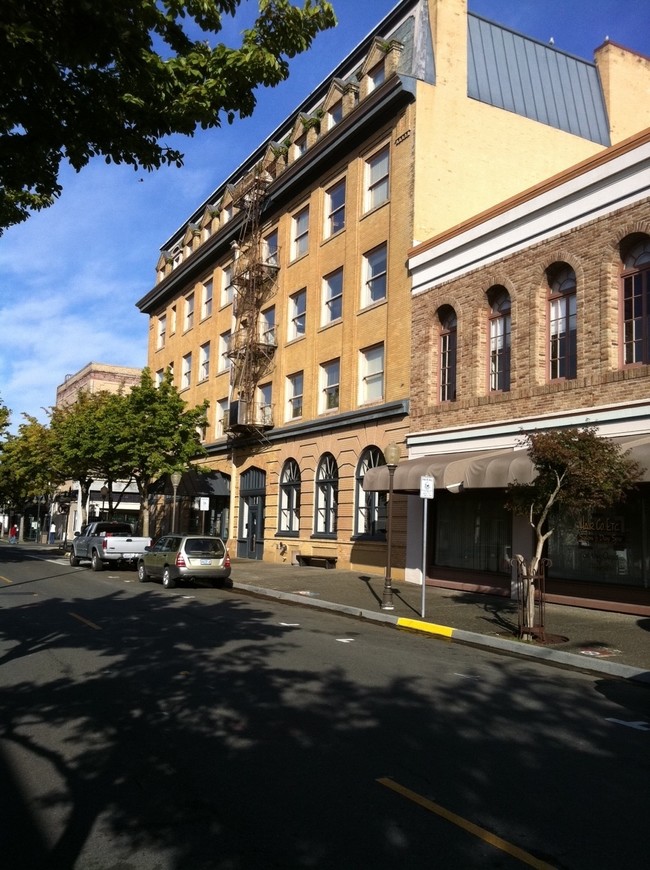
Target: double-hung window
x,y
186,371
376,76
224,349
330,373
206,304
335,114
223,407
374,276
332,297
289,519
162,331
188,321
371,374
562,350
294,395
335,208
297,314
265,405
636,303
300,233
267,327
499,321
226,285
377,177
204,361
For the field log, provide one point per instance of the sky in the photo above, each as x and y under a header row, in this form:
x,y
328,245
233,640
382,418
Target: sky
x,y
70,276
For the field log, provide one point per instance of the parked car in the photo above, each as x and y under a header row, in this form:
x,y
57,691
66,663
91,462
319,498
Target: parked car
x,y
106,543
174,558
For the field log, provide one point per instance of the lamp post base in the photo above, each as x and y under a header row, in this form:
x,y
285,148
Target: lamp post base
x,y
387,597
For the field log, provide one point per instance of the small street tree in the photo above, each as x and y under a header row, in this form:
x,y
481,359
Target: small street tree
x,y
82,78
578,472
159,434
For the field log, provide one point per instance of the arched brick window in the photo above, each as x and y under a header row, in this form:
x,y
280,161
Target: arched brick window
x,y
499,325
289,519
562,350
635,255
447,359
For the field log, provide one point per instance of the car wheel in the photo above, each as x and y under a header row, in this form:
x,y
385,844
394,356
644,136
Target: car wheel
x,y
167,580
74,560
142,573
96,562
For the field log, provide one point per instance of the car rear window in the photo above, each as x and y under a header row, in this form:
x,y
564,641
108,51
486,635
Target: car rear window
x,y
204,547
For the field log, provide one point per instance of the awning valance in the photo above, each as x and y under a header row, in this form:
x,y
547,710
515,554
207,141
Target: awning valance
x,y
494,468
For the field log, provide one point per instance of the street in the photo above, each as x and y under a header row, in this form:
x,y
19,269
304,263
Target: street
x,y
198,728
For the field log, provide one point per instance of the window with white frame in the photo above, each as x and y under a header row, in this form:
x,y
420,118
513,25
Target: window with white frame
x,y
300,233
172,324
206,301
374,276
376,76
562,322
300,146
204,361
224,348
265,404
226,213
270,249
186,371
160,376
289,514
371,374
635,256
335,114
499,321
326,496
377,178
162,331
297,314
221,422
447,355
332,297
170,369
177,256
267,326
335,208
329,376
294,395
226,285
188,321
370,507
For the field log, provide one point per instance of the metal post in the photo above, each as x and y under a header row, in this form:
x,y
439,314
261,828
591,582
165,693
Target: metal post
x,y
176,479
392,458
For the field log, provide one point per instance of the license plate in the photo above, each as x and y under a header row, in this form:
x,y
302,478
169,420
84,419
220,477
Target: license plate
x,y
206,561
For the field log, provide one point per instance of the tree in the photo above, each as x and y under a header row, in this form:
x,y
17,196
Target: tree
x,y
578,472
80,79
5,417
159,435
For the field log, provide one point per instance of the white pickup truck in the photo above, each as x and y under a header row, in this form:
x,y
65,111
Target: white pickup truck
x,y
107,543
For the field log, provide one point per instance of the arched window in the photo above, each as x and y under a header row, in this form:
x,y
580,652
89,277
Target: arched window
x,y
499,339
327,488
370,507
448,327
562,350
289,518
636,300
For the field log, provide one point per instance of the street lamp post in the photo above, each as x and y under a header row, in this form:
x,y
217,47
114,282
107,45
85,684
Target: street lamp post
x,y
391,455
104,492
176,479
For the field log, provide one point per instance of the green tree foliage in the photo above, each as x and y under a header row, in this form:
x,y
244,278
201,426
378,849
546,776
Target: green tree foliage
x,y
28,464
5,418
159,434
80,78
577,472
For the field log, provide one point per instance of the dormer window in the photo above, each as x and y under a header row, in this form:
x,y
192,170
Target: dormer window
x,y
335,114
376,76
300,146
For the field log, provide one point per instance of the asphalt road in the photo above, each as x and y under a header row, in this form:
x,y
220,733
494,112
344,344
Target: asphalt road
x,y
197,728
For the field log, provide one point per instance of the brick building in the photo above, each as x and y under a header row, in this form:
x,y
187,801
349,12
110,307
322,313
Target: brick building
x,y
284,299
534,315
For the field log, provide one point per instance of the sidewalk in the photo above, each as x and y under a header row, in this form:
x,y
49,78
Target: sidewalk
x,y
611,644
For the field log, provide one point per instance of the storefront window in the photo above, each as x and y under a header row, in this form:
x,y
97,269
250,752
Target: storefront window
x,y
473,531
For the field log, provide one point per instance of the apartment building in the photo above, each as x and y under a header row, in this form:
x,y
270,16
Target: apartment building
x,y
534,315
285,298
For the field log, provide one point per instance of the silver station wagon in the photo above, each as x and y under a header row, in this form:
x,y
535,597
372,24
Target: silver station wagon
x,y
175,558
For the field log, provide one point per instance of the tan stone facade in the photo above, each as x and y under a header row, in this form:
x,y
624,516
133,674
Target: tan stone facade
x,y
414,155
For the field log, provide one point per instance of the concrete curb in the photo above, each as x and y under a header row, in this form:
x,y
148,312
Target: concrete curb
x,y
518,648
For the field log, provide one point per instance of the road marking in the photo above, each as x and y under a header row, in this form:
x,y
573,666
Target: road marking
x,y
345,639
85,621
5,579
639,726
290,624
466,825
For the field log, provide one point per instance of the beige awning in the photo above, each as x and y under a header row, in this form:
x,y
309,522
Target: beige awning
x,y
482,469
474,469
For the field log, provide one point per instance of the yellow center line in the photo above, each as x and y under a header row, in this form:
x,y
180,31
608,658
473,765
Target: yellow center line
x,y
470,827
85,621
5,579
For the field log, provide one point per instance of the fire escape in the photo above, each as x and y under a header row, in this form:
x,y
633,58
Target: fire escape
x,y
252,344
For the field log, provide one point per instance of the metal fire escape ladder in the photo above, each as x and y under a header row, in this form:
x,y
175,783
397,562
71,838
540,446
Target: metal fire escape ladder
x,y
252,346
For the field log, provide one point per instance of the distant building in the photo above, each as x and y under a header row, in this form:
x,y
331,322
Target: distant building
x,y
94,378
285,299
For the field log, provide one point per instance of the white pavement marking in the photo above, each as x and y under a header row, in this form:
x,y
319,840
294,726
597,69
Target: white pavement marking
x,y
638,726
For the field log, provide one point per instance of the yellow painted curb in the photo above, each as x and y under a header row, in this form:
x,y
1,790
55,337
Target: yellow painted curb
x,y
431,627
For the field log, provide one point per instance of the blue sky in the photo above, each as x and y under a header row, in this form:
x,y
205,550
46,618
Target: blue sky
x,y
70,276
